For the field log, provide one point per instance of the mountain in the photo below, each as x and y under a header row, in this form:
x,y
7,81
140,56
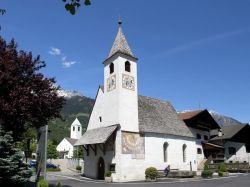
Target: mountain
x,y
76,106
224,120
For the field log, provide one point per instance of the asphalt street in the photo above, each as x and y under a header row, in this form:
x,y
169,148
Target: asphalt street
x,y
241,180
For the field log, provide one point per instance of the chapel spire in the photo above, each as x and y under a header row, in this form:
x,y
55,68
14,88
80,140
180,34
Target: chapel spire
x,y
120,44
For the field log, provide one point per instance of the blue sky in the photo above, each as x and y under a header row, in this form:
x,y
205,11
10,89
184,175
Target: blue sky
x,y
193,53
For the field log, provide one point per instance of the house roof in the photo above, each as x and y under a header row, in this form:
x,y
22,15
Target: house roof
x,y
120,44
199,119
157,116
72,141
96,136
189,114
229,132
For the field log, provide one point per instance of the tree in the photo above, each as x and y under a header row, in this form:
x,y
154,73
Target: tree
x,y
51,151
27,97
12,170
78,152
72,5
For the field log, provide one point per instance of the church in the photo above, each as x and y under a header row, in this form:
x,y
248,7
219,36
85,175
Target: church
x,y
127,132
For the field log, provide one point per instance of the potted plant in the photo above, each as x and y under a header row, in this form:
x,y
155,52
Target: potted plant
x,y
206,173
151,174
223,170
79,168
108,177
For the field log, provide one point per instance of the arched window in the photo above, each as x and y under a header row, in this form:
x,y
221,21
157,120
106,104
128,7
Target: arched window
x,y
184,148
198,136
205,137
111,68
127,66
79,128
199,151
73,128
165,151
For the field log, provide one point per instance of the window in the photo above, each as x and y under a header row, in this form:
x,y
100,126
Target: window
x,y
165,152
73,128
231,151
184,148
100,118
198,136
205,137
127,66
111,68
79,128
199,151
112,167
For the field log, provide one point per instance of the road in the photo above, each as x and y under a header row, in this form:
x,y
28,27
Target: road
x,y
242,180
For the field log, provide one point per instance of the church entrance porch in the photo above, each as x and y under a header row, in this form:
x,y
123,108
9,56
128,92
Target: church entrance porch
x,y
100,169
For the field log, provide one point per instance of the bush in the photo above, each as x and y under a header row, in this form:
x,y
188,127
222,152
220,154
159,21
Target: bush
x,y
53,169
78,168
206,172
151,173
42,183
222,167
108,174
58,184
221,174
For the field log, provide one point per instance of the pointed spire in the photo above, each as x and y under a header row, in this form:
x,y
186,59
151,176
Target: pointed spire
x,y
120,44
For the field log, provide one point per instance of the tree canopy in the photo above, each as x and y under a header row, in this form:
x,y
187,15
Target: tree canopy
x,y
73,5
27,97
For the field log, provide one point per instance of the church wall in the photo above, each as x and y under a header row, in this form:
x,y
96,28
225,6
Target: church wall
x,y
241,153
128,106
134,169
98,110
64,145
200,157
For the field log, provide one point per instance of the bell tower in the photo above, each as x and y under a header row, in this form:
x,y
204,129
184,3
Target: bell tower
x,y
76,129
120,84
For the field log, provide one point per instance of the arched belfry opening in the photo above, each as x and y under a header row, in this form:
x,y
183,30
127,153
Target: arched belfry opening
x,y
100,169
127,66
111,68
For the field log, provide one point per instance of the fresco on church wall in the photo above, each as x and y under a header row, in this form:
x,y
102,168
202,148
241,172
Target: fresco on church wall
x,y
133,143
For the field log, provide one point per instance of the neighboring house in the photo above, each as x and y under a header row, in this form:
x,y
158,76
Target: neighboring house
x,y
201,123
235,139
126,132
66,146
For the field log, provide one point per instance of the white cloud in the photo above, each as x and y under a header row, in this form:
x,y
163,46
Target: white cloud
x,y
68,64
54,51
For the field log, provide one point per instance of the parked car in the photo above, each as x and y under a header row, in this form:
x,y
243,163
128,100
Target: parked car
x,y
32,163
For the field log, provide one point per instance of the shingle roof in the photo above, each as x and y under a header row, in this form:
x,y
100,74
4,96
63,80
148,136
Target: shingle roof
x,y
72,141
158,116
229,131
189,114
96,136
120,44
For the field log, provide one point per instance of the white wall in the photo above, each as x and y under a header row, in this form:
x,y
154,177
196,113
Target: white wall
x,y
129,169
200,157
64,145
241,154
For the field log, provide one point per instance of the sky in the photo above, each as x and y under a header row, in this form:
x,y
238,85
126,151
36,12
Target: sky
x,y
193,53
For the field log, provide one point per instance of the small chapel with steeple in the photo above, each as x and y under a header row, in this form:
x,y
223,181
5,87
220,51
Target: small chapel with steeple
x,y
127,132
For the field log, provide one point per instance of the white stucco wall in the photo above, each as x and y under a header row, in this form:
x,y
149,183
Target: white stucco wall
x,y
200,157
64,145
129,169
241,154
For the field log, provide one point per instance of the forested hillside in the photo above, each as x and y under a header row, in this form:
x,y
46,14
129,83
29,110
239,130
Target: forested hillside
x,y
75,106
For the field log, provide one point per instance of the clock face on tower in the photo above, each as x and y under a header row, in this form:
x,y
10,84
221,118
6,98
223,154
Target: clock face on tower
x,y
128,82
111,83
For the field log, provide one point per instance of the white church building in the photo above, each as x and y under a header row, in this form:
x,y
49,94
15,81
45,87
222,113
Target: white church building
x,y
127,132
66,146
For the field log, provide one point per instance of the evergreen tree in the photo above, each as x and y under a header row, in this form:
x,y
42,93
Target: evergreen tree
x,y
52,152
12,170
